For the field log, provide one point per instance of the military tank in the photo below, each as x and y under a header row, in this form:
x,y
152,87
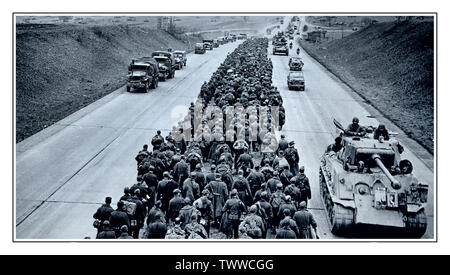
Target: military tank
x,y
364,181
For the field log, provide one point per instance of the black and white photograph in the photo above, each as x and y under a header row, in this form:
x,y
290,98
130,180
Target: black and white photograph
x,y
198,127
224,127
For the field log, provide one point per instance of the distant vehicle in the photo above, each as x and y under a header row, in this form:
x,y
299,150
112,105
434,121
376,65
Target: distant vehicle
x,y
167,64
215,43
242,36
180,59
200,48
208,44
295,64
142,75
296,80
280,49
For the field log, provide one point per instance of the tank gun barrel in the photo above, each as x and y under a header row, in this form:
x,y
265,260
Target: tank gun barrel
x,y
377,159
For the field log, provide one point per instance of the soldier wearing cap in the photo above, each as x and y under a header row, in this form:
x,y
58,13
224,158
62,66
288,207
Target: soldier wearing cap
x,y
301,181
103,213
151,217
142,155
276,201
157,229
355,129
157,140
283,144
273,183
107,232
211,176
186,212
288,227
118,218
204,205
243,188
381,131
175,205
137,220
126,194
191,189
291,155
124,233
219,194
200,177
164,191
286,205
305,221
253,223
233,208
181,171
151,180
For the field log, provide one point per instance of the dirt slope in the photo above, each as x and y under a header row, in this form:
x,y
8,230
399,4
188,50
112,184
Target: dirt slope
x,y
391,65
60,69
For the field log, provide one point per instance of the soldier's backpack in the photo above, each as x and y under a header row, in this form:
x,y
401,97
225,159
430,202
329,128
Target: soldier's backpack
x,y
277,200
130,207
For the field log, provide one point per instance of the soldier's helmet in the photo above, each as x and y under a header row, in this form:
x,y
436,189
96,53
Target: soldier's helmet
x,y
355,120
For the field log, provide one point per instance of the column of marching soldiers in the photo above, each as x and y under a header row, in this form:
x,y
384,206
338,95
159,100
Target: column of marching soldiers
x,y
212,187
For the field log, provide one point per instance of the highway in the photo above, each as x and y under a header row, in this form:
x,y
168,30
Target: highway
x,y
64,172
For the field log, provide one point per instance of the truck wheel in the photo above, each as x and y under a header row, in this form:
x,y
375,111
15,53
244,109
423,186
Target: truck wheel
x,y
128,89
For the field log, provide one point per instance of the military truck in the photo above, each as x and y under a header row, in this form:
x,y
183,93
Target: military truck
x,y
295,64
364,181
143,74
167,64
280,48
296,80
180,59
200,48
242,36
208,44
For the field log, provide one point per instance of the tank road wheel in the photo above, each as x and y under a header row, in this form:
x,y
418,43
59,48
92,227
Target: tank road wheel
x,y
416,225
341,219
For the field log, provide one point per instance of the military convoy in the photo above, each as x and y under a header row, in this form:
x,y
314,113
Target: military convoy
x,y
167,64
200,48
208,44
180,59
363,181
143,74
296,80
295,64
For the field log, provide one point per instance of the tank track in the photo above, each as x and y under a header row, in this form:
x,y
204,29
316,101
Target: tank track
x,y
416,224
341,218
